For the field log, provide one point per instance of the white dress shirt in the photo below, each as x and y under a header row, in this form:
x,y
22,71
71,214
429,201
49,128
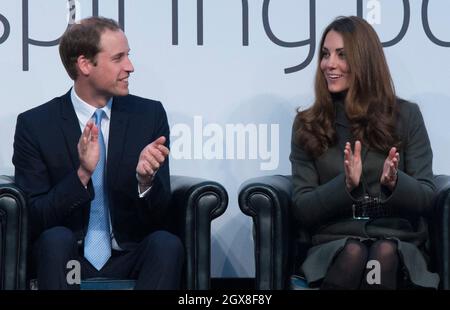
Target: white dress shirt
x,y
85,112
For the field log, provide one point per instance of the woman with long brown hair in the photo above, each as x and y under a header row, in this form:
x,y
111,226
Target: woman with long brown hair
x,y
362,170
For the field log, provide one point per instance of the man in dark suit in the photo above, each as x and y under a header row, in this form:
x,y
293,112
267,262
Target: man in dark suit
x,y
93,164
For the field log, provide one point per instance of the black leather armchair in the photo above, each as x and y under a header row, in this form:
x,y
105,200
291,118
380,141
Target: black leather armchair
x,y
196,201
13,236
277,255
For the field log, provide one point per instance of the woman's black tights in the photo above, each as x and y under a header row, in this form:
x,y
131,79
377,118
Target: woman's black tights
x,y
349,268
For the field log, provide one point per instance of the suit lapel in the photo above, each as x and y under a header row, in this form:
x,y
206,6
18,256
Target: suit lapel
x,y
70,128
117,132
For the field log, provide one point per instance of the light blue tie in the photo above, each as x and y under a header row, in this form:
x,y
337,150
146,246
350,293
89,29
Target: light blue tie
x,y
97,244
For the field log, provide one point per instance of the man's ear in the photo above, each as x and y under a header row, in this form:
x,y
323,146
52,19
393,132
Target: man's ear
x,y
84,65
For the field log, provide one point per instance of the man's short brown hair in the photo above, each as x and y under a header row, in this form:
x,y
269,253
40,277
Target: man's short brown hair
x,y
83,38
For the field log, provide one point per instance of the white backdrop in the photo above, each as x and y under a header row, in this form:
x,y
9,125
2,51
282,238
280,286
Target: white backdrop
x,y
218,66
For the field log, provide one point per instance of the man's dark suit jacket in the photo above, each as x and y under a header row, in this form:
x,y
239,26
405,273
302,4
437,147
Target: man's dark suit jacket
x,y
46,162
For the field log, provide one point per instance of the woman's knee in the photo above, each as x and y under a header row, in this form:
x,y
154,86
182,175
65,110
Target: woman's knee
x,y
355,251
384,249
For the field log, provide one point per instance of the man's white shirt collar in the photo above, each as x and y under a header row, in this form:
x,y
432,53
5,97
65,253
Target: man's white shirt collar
x,y
84,110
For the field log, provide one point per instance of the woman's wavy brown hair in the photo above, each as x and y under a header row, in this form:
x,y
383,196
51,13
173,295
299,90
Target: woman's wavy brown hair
x,y
370,102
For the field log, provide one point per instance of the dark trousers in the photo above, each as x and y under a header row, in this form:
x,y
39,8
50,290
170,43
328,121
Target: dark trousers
x,y
156,263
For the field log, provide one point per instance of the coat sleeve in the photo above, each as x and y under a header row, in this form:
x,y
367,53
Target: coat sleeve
x,y
315,204
414,190
157,201
49,204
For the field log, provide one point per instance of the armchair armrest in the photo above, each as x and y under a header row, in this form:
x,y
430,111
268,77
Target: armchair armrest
x,y
198,202
13,235
441,222
267,200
